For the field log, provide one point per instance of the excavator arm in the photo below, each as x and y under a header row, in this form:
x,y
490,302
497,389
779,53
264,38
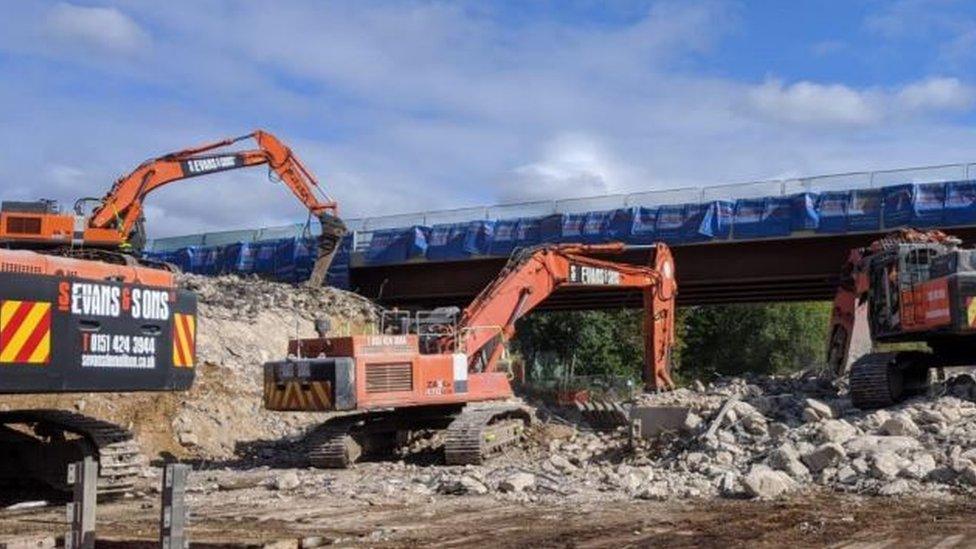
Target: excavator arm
x,y
534,274
848,333
121,208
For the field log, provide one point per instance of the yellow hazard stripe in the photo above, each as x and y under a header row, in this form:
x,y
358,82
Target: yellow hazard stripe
x,y
182,336
43,350
21,333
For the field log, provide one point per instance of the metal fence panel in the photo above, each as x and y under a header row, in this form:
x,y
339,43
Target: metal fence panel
x,y
592,204
756,189
839,182
664,198
172,243
284,231
952,172
459,215
393,221
527,209
229,237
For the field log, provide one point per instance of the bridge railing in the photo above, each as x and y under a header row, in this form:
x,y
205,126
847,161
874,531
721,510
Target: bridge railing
x,y
363,228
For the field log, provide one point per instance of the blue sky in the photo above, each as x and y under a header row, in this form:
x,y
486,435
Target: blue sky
x,y
404,106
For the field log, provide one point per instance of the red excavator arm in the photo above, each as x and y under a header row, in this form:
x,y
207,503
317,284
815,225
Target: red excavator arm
x,y
848,318
115,221
121,207
534,274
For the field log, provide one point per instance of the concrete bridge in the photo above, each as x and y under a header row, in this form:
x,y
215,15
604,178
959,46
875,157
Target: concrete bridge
x,y
749,257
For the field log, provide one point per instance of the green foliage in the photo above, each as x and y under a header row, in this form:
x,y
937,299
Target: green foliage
x,y
767,339
712,340
587,342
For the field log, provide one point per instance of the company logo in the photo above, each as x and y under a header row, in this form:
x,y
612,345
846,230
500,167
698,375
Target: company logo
x,y
88,299
209,164
387,340
584,274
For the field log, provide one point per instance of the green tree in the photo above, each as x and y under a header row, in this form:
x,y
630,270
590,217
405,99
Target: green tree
x,y
711,340
593,342
772,338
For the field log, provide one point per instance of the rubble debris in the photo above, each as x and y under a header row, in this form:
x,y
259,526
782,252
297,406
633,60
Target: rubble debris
x,y
518,482
655,420
286,481
765,483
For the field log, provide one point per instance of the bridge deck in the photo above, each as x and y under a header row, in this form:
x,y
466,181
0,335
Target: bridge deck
x,y
790,269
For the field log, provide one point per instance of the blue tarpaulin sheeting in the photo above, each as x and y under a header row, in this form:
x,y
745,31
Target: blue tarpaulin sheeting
x,y
864,210
929,204
264,257
477,237
293,259
504,238
832,211
682,223
238,258
916,205
960,203
762,217
803,212
621,225
597,227
898,208
396,245
567,227
459,240
284,260
510,234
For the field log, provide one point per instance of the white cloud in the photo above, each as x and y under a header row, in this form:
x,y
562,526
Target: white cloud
x,y
401,107
102,29
819,105
572,165
937,94
816,104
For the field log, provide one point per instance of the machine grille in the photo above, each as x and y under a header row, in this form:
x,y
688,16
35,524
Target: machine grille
x,y
389,378
23,225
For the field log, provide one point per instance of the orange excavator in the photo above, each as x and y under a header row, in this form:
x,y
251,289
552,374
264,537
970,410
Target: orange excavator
x,y
116,223
908,287
444,370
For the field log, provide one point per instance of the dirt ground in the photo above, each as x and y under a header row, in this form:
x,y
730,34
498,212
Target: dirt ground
x,y
812,520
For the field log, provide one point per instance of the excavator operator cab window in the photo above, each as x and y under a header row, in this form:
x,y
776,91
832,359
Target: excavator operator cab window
x,y
916,265
884,294
395,322
436,326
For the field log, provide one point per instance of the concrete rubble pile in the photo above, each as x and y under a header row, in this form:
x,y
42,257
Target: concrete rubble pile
x,y
765,437
742,438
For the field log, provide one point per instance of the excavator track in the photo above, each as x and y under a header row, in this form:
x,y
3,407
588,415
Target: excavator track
x,y
481,431
331,446
874,381
49,451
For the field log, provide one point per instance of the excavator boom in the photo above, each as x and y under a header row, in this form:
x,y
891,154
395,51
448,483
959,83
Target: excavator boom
x,y
532,275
